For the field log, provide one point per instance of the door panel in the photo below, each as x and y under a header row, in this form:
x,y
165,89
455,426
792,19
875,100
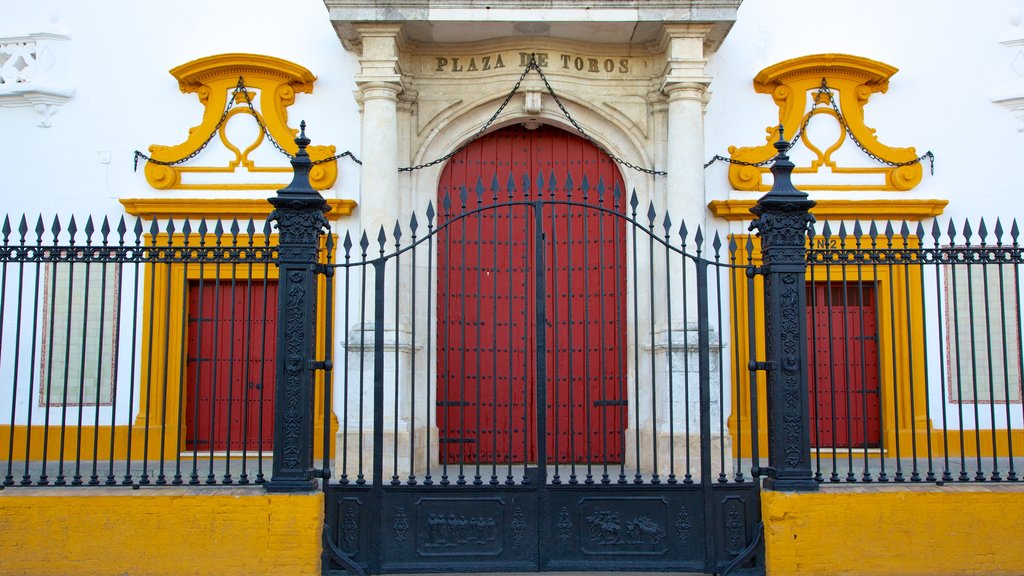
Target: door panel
x,y
487,303
232,335
843,365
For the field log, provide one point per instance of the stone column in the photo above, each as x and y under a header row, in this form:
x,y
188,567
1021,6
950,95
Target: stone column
x,y
685,86
380,83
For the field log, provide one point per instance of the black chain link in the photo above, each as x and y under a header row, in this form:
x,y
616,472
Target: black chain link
x,y
239,89
532,65
579,128
824,90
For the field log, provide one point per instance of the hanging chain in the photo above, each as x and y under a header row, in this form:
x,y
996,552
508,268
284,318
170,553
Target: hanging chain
x,y
579,128
239,89
532,65
824,90
842,120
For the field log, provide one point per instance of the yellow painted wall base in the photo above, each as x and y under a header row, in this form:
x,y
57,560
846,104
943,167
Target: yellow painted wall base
x,y
174,531
903,530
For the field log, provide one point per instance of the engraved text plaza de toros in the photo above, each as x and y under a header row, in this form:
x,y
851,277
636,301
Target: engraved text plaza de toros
x,y
563,61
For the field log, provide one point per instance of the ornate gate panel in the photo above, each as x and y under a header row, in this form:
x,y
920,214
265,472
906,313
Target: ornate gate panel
x,y
472,338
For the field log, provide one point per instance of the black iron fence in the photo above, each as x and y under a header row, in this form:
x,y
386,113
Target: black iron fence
x,y
531,332
136,352
914,350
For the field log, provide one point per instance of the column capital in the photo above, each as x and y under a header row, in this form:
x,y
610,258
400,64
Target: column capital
x,y
378,89
688,89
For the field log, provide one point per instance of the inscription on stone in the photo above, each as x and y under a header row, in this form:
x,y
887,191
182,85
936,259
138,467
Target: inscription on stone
x,y
550,60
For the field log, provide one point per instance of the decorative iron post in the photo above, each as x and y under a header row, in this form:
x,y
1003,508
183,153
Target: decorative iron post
x,y
782,218
299,214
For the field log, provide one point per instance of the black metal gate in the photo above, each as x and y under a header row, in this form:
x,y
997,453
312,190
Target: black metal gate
x,y
400,500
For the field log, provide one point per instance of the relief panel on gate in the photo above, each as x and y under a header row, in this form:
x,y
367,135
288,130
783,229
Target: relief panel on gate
x,y
347,527
623,526
735,526
457,527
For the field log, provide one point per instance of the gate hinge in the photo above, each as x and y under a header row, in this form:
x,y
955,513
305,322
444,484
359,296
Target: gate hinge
x,y
755,270
324,473
324,269
760,366
321,365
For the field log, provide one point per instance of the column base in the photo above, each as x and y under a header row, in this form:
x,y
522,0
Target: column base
x,y
399,461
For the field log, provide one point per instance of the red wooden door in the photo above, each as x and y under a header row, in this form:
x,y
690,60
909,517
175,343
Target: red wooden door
x,y
843,365
232,335
486,388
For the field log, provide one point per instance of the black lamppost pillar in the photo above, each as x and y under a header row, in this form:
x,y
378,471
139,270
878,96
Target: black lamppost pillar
x,y
299,214
782,218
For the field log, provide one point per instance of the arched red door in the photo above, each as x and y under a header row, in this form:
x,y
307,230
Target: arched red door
x,y
487,303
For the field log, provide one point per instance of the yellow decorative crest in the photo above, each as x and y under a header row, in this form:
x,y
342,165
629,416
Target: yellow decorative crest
x,y
854,79
271,84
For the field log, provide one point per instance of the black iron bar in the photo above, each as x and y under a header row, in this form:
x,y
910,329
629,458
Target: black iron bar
x,y
876,255
556,478
363,245
153,252
670,352
1014,233
688,475
398,345
327,375
227,479
343,478
734,275
511,341
637,476
541,351
197,372
72,229
915,474
755,430
264,353
898,477
428,406
445,432
569,322
1011,474
857,233
413,224
94,478
812,306
717,245
829,307
134,383
494,327
995,476
218,232
655,479
587,406
477,336
978,475
182,367
602,346
704,386
850,477
247,355
940,323
161,478
118,291
9,478
620,341
43,478
379,271
463,344
920,258
26,477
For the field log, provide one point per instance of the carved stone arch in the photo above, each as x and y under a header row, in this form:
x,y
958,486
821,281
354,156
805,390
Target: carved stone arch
x,y
462,123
